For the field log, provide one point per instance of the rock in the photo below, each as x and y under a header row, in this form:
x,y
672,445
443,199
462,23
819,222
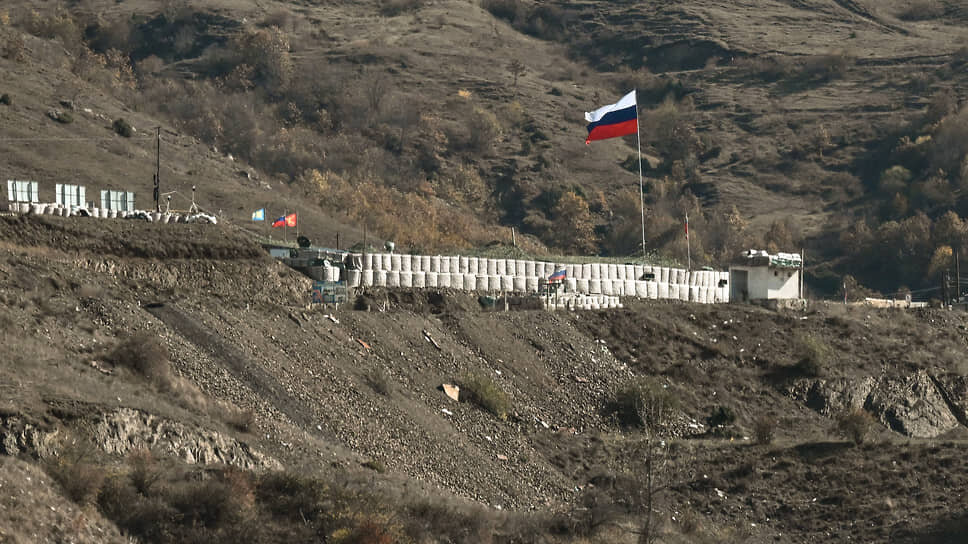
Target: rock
x,y
451,391
912,406
834,396
126,429
954,390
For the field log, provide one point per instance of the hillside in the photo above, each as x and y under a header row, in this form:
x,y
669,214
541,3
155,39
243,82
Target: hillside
x,y
258,382
441,125
168,383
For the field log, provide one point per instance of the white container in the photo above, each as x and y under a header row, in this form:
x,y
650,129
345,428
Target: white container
x,y
367,278
425,261
406,279
380,278
430,279
494,283
387,262
443,280
606,287
531,284
694,293
595,287
435,264
653,288
641,289
406,263
491,267
571,285
456,280
353,278
462,265
582,286
529,268
454,264
472,265
444,265
395,262
393,278
593,271
663,290
419,279
674,291
507,283
611,271
519,284
629,288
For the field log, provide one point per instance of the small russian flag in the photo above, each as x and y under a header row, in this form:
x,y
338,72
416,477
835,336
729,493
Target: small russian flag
x,y
559,275
259,215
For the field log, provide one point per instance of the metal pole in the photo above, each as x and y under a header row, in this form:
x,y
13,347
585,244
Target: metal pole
x,y
638,140
957,279
157,191
688,248
801,273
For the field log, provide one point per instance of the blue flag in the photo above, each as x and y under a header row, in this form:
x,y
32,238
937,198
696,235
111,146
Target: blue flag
x,y
259,215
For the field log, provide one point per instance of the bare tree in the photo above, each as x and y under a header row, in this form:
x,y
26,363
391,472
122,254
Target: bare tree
x,y
516,68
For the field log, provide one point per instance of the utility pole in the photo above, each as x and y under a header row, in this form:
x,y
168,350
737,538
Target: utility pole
x,y
157,191
957,279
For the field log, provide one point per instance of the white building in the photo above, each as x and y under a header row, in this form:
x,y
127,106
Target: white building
x,y
761,276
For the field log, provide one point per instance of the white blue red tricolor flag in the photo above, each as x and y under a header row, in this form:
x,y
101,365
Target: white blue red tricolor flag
x,y
559,275
618,119
259,215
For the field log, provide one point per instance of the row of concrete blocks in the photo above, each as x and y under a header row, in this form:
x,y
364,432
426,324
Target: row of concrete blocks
x,y
59,210
482,266
519,284
582,302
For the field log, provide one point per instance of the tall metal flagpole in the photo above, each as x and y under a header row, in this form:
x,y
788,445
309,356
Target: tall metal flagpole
x,y
688,249
638,140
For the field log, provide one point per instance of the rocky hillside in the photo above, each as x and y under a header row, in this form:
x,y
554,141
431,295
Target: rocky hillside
x,y
831,125
192,356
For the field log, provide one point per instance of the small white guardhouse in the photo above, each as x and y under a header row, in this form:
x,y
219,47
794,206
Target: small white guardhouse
x,y
757,275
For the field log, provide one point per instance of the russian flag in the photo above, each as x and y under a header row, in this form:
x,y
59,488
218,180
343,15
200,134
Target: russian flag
x,y
618,119
559,275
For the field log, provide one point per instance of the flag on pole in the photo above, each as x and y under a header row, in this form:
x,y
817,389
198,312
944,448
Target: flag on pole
x,y
285,221
559,275
613,120
687,225
259,215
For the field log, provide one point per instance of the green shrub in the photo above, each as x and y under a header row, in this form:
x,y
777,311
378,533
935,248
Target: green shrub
x,y
5,99
144,354
123,128
764,428
482,391
375,464
642,403
721,415
855,425
391,8
814,356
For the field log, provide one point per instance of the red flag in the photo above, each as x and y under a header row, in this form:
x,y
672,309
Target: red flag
x,y
285,221
687,226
